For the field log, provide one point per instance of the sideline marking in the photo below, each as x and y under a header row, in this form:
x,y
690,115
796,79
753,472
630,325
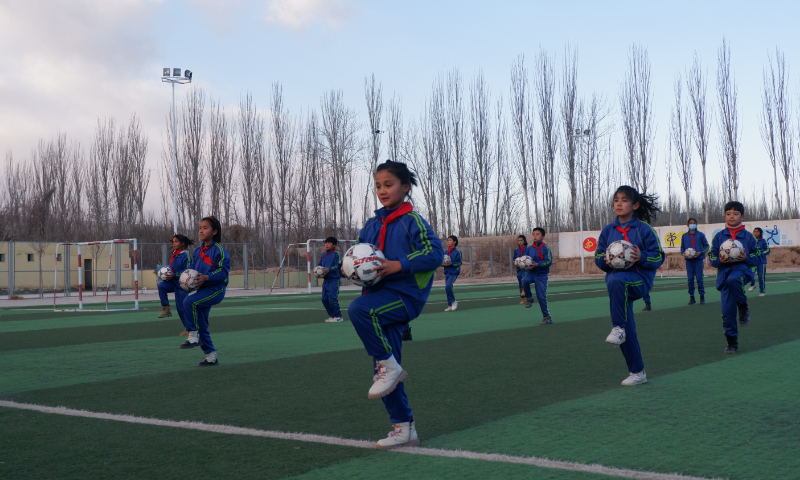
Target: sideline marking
x,y
307,437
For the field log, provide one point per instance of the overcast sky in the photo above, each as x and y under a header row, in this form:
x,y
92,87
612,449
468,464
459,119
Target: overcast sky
x,y
64,63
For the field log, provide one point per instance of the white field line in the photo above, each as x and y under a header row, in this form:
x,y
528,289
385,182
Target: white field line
x,y
344,442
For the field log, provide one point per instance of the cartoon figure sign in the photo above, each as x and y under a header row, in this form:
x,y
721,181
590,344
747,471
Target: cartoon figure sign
x,y
672,239
590,244
772,235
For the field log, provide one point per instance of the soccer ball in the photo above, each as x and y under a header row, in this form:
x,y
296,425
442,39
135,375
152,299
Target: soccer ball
x,y
359,264
319,271
732,249
188,280
446,261
524,262
163,272
690,253
620,254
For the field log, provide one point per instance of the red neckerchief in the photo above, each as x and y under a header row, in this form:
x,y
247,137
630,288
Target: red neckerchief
x,y
205,257
539,249
327,252
734,232
174,254
402,210
521,249
691,237
624,232
450,249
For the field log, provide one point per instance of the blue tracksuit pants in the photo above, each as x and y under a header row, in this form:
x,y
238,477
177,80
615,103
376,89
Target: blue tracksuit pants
x,y
165,288
197,307
646,297
731,294
539,281
379,318
760,269
449,280
520,276
694,271
330,297
624,288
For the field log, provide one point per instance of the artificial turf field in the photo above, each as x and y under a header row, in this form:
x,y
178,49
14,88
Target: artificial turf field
x,y
486,378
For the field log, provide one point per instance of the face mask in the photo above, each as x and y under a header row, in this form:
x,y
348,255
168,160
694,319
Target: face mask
x,y
693,227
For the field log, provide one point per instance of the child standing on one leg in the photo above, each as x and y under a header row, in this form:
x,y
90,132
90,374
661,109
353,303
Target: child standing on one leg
x,y
761,268
522,245
331,261
181,260
626,286
694,263
537,274
413,253
451,272
213,263
734,273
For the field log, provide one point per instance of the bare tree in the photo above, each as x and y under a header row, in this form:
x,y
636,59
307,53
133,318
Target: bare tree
x,y
284,135
783,130
221,162
443,150
139,175
374,95
99,174
520,119
636,106
395,128
456,126
680,133
481,154
544,84
250,127
729,131
570,112
696,84
192,154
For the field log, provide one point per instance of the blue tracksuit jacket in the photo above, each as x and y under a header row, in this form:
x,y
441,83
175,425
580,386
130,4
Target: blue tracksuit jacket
x,y
542,255
333,262
725,269
455,267
219,268
640,234
700,244
763,250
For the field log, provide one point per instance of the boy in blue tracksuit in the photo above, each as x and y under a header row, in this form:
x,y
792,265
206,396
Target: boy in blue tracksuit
x,y
181,260
761,268
413,253
522,245
734,273
213,263
628,285
537,274
694,265
451,272
332,262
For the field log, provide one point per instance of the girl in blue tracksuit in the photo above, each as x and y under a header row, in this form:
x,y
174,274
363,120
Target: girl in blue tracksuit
x,y
332,261
413,253
694,266
213,263
734,273
626,286
537,274
181,260
761,267
522,245
451,272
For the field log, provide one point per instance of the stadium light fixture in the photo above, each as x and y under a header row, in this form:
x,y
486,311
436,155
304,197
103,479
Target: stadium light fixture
x,y
173,76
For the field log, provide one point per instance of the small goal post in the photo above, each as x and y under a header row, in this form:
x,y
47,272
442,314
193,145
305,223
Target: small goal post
x,y
108,280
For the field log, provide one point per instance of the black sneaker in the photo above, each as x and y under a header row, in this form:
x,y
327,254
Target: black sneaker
x,y
702,300
730,349
647,308
210,361
528,302
733,344
744,315
546,321
691,300
407,335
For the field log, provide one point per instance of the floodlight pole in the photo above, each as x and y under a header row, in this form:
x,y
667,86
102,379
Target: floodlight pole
x,y
173,76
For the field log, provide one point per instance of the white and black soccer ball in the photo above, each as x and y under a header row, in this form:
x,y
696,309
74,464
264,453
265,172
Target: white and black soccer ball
x,y
689,253
163,272
732,250
524,262
620,254
319,271
447,261
189,279
360,262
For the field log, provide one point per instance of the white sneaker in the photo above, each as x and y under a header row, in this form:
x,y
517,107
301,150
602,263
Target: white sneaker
x,y
335,319
762,295
617,336
637,378
453,306
210,361
752,287
388,374
448,309
403,435
329,320
192,340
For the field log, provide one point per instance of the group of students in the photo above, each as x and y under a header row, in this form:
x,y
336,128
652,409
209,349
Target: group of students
x,y
382,314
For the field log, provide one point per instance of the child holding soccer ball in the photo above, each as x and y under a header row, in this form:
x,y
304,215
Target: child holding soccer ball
x,y
213,263
331,261
694,263
413,253
761,268
733,253
451,272
181,260
522,245
537,273
625,285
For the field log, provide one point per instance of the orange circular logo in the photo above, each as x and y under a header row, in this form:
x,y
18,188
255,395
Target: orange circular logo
x,y
590,244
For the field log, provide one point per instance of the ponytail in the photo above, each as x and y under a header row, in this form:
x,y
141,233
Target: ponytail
x,y
186,241
648,204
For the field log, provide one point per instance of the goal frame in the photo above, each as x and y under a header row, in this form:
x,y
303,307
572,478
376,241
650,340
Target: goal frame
x,y
108,282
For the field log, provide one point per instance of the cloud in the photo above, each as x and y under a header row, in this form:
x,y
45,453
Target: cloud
x,y
218,13
302,14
